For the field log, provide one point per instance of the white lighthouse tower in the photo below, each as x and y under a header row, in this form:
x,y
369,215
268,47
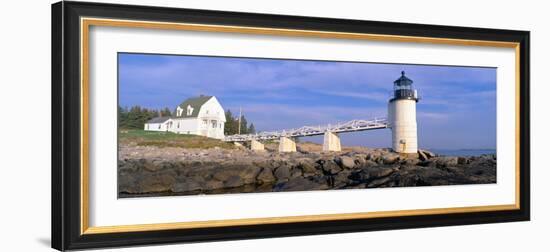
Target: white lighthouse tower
x,y
402,115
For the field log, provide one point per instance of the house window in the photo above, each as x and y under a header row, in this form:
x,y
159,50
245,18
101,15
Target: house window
x,y
189,110
159,125
178,125
204,122
214,124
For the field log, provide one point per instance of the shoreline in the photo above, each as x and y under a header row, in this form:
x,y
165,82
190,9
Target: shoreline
x,y
172,171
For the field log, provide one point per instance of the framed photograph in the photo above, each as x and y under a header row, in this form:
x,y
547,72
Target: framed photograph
x,y
180,125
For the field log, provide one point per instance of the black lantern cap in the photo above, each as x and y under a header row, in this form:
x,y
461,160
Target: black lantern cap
x,y
403,80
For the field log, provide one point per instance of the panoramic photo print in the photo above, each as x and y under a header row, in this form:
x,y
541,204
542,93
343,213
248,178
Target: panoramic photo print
x,y
191,125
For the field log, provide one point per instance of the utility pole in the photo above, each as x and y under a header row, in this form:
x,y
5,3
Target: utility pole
x,y
240,112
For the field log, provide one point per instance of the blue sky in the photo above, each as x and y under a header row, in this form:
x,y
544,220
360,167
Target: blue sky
x,y
457,109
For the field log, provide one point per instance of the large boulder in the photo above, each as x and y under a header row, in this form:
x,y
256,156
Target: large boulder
x,y
329,166
154,165
371,173
234,181
390,158
307,166
442,162
213,185
486,159
296,173
345,162
360,159
342,179
282,173
224,173
422,156
426,153
462,160
382,182
369,163
127,166
276,162
249,174
127,183
410,161
301,184
374,156
151,183
187,186
265,176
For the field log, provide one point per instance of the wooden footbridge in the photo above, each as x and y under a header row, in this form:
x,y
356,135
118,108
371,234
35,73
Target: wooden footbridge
x,y
286,137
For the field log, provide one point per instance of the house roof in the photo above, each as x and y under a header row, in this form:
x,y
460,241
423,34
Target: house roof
x,y
159,119
196,103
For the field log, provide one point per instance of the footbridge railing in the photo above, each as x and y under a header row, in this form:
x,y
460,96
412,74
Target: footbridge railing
x,y
350,126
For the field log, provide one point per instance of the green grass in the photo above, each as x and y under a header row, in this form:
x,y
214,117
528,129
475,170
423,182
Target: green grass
x,y
169,139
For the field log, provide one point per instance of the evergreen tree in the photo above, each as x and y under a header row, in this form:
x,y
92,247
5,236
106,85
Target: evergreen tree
x,y
229,128
232,124
136,117
133,116
251,129
122,117
166,112
244,129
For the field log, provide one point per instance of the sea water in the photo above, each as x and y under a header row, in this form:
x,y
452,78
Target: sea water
x,y
463,152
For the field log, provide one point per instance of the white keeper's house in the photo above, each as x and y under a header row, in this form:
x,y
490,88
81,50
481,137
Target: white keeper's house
x,y
202,115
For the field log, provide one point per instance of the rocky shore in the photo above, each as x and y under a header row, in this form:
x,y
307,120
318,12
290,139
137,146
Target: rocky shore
x,y
154,171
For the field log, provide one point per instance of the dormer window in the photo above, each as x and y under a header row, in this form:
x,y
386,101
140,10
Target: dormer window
x,y
189,110
179,111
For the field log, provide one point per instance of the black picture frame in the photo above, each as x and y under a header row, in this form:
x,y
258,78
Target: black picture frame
x,y
66,114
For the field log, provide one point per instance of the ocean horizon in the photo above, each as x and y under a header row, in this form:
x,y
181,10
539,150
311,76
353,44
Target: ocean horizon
x,y
463,152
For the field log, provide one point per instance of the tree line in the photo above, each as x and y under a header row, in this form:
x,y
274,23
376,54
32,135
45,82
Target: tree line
x,y
135,117
232,124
